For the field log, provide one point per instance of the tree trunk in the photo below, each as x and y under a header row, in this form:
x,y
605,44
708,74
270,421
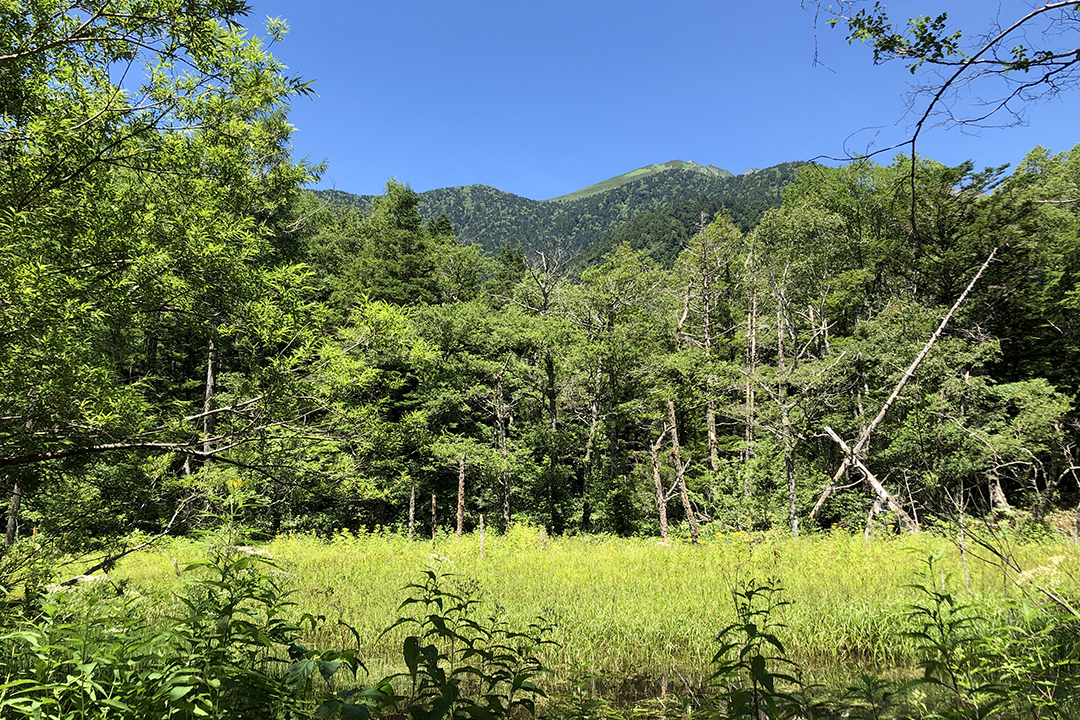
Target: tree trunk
x,y
680,474
501,415
710,426
13,517
412,511
1042,505
209,418
590,445
552,392
875,509
751,368
997,495
785,427
434,518
706,325
461,494
661,496
789,469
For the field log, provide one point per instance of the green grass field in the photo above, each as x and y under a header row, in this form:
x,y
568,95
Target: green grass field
x,y
627,608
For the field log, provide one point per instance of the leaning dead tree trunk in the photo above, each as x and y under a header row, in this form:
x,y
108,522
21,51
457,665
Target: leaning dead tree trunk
x,y
854,452
884,496
680,474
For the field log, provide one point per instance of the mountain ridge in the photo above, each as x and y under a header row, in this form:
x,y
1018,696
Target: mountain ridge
x,y
613,182
495,219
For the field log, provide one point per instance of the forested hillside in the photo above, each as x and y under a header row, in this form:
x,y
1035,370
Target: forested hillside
x,y
721,372
640,174
494,219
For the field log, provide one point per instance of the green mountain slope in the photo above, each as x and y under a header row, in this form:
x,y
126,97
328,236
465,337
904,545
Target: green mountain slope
x,y
663,232
640,174
494,219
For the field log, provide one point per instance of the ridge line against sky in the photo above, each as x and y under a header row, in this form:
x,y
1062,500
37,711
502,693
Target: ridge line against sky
x,y
544,99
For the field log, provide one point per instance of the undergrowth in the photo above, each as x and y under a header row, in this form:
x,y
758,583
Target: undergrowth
x,y
241,634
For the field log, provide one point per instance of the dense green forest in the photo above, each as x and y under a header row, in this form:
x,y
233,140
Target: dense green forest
x,y
579,222
566,394
186,332
317,367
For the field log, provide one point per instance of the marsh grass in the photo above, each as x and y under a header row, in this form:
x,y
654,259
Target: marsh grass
x,y
630,612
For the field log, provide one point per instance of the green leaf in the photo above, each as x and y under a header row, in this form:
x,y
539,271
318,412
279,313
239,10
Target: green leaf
x,y
411,653
300,672
327,668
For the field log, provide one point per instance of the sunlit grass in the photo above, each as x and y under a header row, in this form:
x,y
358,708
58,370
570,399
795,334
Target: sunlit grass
x,y
631,607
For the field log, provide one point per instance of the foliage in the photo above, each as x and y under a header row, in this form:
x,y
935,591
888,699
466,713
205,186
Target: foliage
x,y
461,666
184,331
136,215
106,651
1014,670
753,672
953,658
971,77
222,643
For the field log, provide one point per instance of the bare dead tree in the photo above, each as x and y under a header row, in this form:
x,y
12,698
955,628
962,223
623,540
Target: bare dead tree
x,y
853,453
412,511
502,415
13,516
680,474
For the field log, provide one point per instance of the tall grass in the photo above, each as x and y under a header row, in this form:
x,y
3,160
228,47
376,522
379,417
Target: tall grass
x,y
632,607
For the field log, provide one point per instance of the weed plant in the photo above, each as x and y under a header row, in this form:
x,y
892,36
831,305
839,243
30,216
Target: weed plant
x,y
234,650
102,653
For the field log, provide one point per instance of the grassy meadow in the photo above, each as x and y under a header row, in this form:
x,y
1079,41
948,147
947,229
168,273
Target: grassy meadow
x,y
633,610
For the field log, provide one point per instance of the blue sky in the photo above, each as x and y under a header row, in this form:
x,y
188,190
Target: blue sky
x,y
543,98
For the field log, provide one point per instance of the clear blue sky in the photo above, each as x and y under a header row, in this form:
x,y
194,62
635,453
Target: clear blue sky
x,y
543,98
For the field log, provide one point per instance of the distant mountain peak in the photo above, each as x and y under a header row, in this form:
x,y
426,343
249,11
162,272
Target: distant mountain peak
x,y
640,173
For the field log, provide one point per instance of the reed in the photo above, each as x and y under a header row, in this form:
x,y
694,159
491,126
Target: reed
x,y
634,607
